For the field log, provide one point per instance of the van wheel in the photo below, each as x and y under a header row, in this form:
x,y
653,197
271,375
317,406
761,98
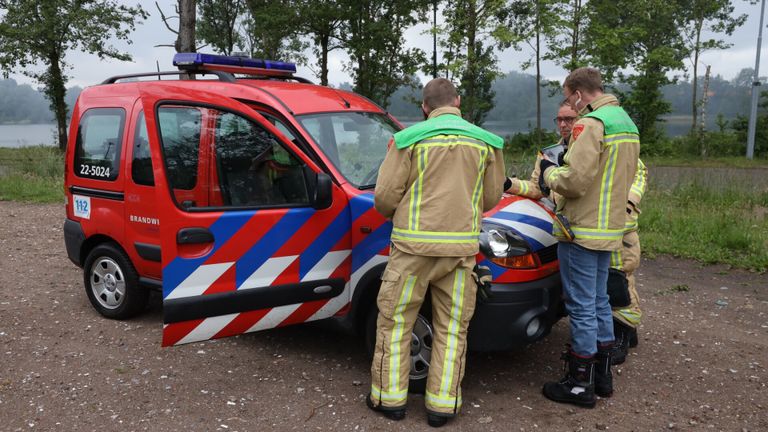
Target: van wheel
x,y
112,284
422,337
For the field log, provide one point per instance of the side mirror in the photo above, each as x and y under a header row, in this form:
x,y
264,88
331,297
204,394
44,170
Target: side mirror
x,y
323,196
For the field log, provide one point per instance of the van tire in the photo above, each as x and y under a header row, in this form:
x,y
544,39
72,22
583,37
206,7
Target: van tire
x,y
420,361
112,284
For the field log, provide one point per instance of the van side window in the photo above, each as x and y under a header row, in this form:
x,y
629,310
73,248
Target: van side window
x,y
254,169
180,129
99,139
141,167
215,158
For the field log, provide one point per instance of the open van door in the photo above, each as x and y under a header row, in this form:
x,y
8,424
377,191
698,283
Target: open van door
x,y
253,234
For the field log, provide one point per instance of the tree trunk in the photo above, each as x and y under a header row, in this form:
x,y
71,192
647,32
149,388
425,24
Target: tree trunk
x,y
538,74
55,90
324,41
186,40
704,97
575,41
470,76
696,53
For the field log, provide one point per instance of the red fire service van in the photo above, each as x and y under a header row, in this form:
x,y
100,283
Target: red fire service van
x,y
245,194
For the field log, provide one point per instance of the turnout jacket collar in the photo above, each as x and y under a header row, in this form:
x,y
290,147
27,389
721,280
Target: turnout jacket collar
x,y
445,121
599,102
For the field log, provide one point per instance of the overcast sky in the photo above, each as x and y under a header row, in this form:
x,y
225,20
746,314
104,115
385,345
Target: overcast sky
x,y
89,69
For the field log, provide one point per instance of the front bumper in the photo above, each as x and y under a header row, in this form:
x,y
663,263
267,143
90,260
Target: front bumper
x,y
516,314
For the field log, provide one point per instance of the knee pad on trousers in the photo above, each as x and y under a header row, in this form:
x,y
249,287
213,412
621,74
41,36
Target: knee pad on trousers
x,y
618,289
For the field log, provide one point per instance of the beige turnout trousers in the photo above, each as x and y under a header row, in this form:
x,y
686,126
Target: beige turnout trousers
x,y
403,288
628,259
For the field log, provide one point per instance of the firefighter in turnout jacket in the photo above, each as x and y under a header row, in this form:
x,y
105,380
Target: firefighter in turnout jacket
x,y
437,179
623,297
594,183
621,280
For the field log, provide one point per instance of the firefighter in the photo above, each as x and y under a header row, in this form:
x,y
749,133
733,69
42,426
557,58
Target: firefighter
x,y
566,116
594,183
626,310
626,306
442,166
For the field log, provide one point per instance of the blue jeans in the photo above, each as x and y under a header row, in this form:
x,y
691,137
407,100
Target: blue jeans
x,y
584,273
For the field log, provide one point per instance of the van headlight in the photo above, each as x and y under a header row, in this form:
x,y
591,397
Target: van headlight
x,y
506,248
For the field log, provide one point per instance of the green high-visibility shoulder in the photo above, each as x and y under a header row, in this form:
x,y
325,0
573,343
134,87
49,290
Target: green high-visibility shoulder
x,y
446,124
614,119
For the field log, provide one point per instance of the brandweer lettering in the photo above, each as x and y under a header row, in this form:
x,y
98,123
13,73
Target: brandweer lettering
x,y
144,220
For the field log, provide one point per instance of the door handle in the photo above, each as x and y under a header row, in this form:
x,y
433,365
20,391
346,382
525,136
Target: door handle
x,y
194,235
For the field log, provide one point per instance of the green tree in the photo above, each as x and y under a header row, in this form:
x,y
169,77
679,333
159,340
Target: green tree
x,y
472,31
271,30
217,24
644,36
565,45
373,36
532,20
322,22
41,32
714,17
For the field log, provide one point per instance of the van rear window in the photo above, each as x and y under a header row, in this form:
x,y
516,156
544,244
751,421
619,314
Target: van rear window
x,y
99,140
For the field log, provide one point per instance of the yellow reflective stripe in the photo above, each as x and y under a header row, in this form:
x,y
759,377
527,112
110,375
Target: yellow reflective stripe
x,y
397,333
478,189
630,225
606,188
523,189
452,141
641,178
598,234
435,236
617,261
417,189
398,396
621,138
457,300
554,172
632,316
442,402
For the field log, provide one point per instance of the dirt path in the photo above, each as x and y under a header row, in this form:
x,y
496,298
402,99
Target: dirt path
x,y
701,363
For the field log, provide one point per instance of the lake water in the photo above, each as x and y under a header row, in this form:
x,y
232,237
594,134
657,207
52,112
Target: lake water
x,y
27,135
45,134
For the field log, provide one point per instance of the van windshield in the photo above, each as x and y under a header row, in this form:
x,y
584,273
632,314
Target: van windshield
x,y
355,142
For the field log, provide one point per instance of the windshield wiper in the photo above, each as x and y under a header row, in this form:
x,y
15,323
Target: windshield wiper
x,y
366,187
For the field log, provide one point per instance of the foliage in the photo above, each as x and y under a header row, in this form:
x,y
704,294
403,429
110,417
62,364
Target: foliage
x,y
217,24
270,30
530,21
565,44
322,22
373,36
473,30
713,17
520,151
741,126
42,31
643,35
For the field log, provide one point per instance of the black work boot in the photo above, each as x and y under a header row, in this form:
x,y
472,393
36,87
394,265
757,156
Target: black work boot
x,y
578,385
395,414
436,420
603,376
623,335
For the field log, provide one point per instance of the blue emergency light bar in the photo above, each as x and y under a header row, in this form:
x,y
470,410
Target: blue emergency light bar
x,y
194,60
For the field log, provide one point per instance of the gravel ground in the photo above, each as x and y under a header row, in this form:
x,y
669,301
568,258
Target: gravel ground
x,y
701,363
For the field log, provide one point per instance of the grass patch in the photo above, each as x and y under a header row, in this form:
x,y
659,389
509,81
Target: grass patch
x,y
710,223
696,162
32,174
